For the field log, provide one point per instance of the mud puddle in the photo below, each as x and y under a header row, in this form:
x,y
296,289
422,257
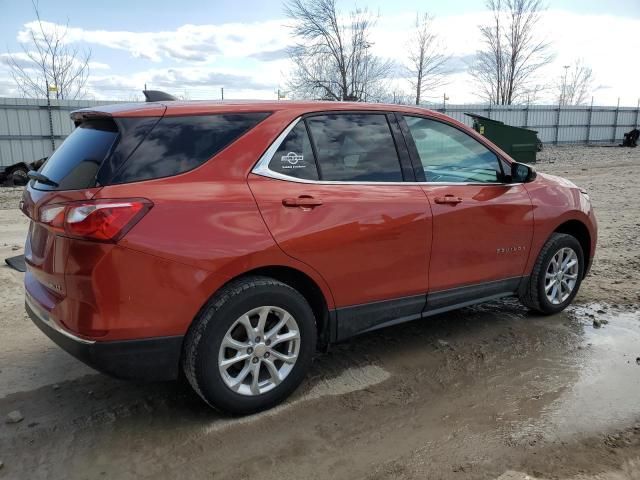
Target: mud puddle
x,y
590,384
604,393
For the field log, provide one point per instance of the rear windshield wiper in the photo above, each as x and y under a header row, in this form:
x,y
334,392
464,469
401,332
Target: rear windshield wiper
x,y
38,177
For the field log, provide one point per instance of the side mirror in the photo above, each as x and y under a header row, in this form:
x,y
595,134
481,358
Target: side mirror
x,y
521,173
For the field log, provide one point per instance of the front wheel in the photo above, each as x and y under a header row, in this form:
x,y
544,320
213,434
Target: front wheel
x,y
556,275
251,346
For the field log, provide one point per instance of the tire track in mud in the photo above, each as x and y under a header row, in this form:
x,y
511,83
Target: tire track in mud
x,y
350,380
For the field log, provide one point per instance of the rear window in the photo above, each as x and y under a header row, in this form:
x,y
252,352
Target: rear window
x,y
132,132
178,144
75,163
295,155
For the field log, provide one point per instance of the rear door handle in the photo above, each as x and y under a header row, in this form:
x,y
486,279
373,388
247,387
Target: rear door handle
x,y
303,201
448,199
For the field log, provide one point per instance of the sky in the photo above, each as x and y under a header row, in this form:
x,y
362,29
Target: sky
x,y
194,48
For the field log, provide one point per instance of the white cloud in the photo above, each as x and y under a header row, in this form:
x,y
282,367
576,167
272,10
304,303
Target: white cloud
x,y
249,59
21,59
98,66
195,82
189,43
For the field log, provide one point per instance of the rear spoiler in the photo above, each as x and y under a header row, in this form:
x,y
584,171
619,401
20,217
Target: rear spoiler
x,y
80,116
126,109
158,96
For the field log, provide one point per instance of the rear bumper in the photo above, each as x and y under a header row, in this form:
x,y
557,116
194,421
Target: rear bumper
x,y
152,359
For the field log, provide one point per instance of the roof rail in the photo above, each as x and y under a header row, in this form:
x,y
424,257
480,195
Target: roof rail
x,y
157,96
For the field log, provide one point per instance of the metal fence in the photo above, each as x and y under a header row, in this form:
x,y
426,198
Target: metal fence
x,y
556,125
31,129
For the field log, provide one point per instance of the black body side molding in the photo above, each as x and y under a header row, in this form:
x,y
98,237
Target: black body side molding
x,y
347,322
370,316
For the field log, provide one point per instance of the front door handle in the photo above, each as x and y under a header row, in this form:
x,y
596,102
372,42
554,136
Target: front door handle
x,y
448,199
303,201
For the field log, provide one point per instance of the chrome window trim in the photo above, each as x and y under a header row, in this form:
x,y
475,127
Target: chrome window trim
x,y
262,168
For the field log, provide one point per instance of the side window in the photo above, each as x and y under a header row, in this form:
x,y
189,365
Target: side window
x,y
355,147
179,144
450,155
295,155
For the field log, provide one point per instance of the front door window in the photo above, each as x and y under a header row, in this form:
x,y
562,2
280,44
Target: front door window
x,y
450,155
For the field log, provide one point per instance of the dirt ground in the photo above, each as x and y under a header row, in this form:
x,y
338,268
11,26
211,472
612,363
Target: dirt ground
x,y
486,392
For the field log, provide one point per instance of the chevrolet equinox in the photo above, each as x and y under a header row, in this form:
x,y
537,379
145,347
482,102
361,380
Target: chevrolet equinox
x,y
230,241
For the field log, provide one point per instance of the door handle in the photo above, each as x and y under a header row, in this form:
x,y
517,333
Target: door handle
x,y
448,199
303,201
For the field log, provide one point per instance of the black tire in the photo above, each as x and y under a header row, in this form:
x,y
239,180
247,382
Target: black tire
x,y
204,339
532,294
19,176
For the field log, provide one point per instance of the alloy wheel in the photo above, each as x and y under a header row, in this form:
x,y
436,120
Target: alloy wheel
x,y
561,276
259,350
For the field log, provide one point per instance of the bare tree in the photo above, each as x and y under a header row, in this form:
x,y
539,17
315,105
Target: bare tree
x,y
575,84
48,66
427,61
512,51
398,96
333,58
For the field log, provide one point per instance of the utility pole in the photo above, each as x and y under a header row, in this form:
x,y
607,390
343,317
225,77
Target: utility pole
x,y
615,122
221,93
589,124
52,137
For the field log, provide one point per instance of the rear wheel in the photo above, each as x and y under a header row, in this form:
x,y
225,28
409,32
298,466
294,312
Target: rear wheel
x,y
556,275
251,346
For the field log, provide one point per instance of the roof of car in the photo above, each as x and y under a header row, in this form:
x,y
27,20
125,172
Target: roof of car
x,y
225,106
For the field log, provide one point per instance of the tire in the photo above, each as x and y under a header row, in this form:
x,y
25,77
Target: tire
x,y
224,318
534,293
19,177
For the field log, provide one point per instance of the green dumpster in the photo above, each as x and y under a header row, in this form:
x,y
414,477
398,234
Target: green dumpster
x,y
520,143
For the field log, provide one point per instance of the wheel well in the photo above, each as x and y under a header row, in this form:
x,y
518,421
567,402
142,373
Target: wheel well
x,y
580,232
308,288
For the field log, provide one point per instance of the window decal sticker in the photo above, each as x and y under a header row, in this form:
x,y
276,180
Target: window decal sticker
x,y
293,160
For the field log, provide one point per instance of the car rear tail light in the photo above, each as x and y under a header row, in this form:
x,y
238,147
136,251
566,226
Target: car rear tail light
x,y
53,216
98,220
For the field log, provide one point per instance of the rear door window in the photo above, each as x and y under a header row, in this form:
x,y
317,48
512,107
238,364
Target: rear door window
x,y
294,157
355,147
75,163
179,144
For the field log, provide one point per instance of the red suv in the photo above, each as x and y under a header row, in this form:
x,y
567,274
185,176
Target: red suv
x,y
231,240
